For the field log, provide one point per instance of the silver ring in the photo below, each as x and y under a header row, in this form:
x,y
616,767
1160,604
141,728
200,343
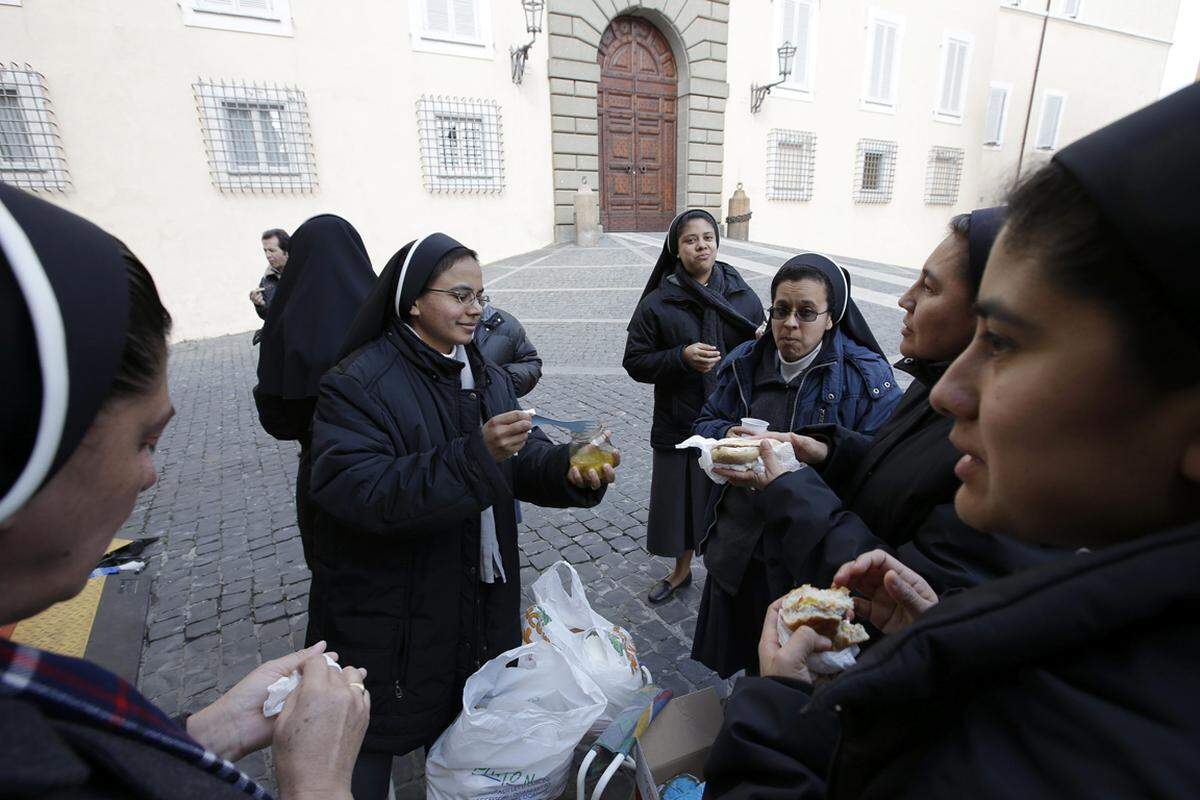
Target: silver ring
x,y
359,686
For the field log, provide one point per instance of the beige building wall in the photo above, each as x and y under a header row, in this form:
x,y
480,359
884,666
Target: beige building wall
x,y
1107,62
905,229
120,78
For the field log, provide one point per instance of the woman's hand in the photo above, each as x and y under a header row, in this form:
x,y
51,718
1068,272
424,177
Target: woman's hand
x,y
592,479
892,595
791,659
234,726
701,357
505,434
320,731
748,478
809,450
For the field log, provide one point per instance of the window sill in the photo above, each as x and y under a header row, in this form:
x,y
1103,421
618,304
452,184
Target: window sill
x,y
947,119
876,107
216,20
423,43
795,93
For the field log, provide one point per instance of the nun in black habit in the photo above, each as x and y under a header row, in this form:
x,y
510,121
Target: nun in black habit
x,y
326,281
419,450
693,312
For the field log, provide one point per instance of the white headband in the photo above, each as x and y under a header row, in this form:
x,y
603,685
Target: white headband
x,y
404,271
52,355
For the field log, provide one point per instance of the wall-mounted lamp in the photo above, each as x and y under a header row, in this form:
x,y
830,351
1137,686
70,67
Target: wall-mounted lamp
x,y
759,93
533,24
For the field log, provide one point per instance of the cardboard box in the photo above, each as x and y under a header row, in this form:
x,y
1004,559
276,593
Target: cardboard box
x,y
678,740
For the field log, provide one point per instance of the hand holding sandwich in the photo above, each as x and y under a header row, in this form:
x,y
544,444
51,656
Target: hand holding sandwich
x,y
740,452
789,660
892,595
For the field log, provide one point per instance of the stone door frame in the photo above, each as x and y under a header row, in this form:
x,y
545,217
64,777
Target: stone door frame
x,y
698,31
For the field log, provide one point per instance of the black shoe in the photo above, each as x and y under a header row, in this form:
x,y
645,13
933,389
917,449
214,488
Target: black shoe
x,y
664,591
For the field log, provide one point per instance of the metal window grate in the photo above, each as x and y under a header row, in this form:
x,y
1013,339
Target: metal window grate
x,y
257,136
31,151
943,175
462,145
874,171
791,158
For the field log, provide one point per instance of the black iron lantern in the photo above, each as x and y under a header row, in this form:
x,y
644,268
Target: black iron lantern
x,y
533,25
786,53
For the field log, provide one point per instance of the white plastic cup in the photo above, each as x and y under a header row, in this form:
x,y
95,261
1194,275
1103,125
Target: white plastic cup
x,y
754,427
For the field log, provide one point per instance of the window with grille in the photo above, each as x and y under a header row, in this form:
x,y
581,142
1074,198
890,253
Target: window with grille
x,y
791,156
795,24
997,114
884,32
462,144
1049,120
943,175
956,60
874,171
257,136
31,152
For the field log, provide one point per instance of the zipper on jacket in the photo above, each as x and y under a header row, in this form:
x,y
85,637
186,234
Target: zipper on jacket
x,y
404,635
800,390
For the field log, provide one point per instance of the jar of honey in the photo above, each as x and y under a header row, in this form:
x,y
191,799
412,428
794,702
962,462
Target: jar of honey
x,y
592,450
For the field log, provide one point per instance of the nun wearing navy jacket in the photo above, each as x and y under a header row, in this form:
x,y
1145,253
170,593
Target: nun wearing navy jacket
x,y
419,450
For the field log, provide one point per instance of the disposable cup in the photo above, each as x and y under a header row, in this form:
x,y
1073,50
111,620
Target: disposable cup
x,y
754,427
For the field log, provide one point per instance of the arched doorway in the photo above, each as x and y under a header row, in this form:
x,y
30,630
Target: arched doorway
x,y
636,113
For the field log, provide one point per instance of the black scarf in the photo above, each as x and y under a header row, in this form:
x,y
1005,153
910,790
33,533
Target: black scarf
x,y
721,325
64,312
398,287
842,308
668,259
328,276
1143,172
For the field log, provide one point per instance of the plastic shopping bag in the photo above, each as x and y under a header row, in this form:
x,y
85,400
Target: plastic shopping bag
x,y
524,712
604,651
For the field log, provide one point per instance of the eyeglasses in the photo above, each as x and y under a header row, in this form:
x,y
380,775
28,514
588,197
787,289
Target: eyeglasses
x,y
782,313
464,296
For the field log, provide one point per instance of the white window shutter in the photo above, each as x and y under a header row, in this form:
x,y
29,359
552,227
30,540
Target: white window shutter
x,y
1048,127
437,16
215,5
787,24
877,49
992,127
889,56
1071,8
465,19
800,40
954,70
255,5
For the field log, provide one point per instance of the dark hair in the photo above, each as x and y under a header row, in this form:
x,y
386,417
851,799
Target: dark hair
x,y
285,241
799,272
447,261
144,356
960,229
687,217
1052,217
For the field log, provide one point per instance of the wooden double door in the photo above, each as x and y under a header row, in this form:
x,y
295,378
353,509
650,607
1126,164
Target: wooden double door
x,y
637,118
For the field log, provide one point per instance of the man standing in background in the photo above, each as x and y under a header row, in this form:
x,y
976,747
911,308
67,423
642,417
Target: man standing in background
x,y
275,244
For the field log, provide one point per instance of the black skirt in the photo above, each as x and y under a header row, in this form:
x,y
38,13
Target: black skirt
x,y
678,498
729,626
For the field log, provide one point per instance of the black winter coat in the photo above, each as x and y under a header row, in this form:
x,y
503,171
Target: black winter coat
x,y
400,475
893,491
666,321
1073,679
501,338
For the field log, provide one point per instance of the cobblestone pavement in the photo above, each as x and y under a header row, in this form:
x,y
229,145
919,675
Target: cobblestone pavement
x,y
230,586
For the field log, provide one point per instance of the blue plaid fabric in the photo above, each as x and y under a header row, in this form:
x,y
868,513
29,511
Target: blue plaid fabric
x,y
72,689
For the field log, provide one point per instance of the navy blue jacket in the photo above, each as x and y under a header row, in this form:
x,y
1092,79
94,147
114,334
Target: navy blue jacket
x,y
848,385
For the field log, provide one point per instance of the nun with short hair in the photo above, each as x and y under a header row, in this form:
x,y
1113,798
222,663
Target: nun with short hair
x,y
419,450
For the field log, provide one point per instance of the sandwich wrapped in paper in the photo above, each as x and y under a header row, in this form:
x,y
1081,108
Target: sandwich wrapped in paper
x,y
737,454
826,611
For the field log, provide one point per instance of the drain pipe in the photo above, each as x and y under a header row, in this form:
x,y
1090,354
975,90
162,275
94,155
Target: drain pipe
x,y
1037,67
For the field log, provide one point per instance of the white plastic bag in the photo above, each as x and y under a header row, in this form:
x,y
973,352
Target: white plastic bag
x,y
783,451
604,651
517,731
830,662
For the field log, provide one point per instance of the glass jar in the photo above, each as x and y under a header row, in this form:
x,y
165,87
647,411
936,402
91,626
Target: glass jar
x,y
592,449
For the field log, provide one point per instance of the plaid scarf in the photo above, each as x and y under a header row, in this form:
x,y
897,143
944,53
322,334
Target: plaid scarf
x,y
72,689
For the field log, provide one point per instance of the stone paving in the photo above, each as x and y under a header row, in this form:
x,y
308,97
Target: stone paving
x,y
230,588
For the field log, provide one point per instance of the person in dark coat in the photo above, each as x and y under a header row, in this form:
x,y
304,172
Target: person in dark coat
x,y
501,339
85,346
819,363
326,283
276,244
1079,427
693,311
419,450
895,490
